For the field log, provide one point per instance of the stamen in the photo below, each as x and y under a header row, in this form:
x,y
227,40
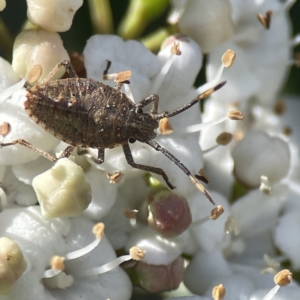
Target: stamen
x,y
176,48
165,69
5,129
165,126
57,262
282,278
216,212
235,115
61,281
34,74
130,214
228,58
135,253
232,225
115,177
272,265
218,292
232,115
265,20
214,215
224,138
265,185
118,77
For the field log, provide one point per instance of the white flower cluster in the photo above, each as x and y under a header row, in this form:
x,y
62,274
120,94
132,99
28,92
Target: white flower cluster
x,y
52,245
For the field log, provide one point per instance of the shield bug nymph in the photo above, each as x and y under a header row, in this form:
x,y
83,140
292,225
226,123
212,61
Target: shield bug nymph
x,y
86,113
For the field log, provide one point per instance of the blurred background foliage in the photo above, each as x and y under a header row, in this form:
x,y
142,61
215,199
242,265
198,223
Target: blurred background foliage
x,y
13,18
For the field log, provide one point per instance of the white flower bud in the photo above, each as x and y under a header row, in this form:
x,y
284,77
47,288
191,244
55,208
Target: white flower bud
x,y
54,15
12,264
258,155
2,4
62,190
207,22
38,47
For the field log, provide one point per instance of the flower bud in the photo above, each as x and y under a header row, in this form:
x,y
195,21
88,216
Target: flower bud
x,y
62,191
169,213
54,15
12,264
258,155
38,47
207,22
2,4
159,278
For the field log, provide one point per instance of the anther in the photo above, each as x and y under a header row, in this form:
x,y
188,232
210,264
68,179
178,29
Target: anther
x,y
235,115
265,20
218,292
130,214
176,48
4,129
137,253
34,74
98,230
115,177
228,58
165,126
216,212
57,263
224,138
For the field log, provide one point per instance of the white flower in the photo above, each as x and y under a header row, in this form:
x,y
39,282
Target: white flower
x,y
38,47
150,77
208,23
259,71
41,239
258,155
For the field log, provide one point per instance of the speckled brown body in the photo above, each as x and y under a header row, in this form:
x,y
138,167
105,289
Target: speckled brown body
x,y
86,113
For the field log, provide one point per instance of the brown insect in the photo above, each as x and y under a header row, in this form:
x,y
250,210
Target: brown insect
x,y
89,114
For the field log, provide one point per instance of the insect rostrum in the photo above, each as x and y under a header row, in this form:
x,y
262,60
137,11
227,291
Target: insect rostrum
x,y
89,114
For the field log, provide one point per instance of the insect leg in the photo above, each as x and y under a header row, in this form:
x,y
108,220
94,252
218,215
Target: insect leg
x,y
30,146
64,63
158,171
188,105
152,98
67,152
169,155
120,78
99,160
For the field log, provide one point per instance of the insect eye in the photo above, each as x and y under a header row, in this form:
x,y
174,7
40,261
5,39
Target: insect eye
x,y
132,140
138,110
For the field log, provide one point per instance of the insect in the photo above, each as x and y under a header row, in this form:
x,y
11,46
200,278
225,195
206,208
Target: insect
x,y
89,114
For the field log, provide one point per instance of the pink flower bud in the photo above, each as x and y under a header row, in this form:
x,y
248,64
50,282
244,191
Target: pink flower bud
x,y
169,213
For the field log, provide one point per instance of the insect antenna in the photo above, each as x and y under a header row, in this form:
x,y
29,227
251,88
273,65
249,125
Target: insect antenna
x,y
169,155
187,106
